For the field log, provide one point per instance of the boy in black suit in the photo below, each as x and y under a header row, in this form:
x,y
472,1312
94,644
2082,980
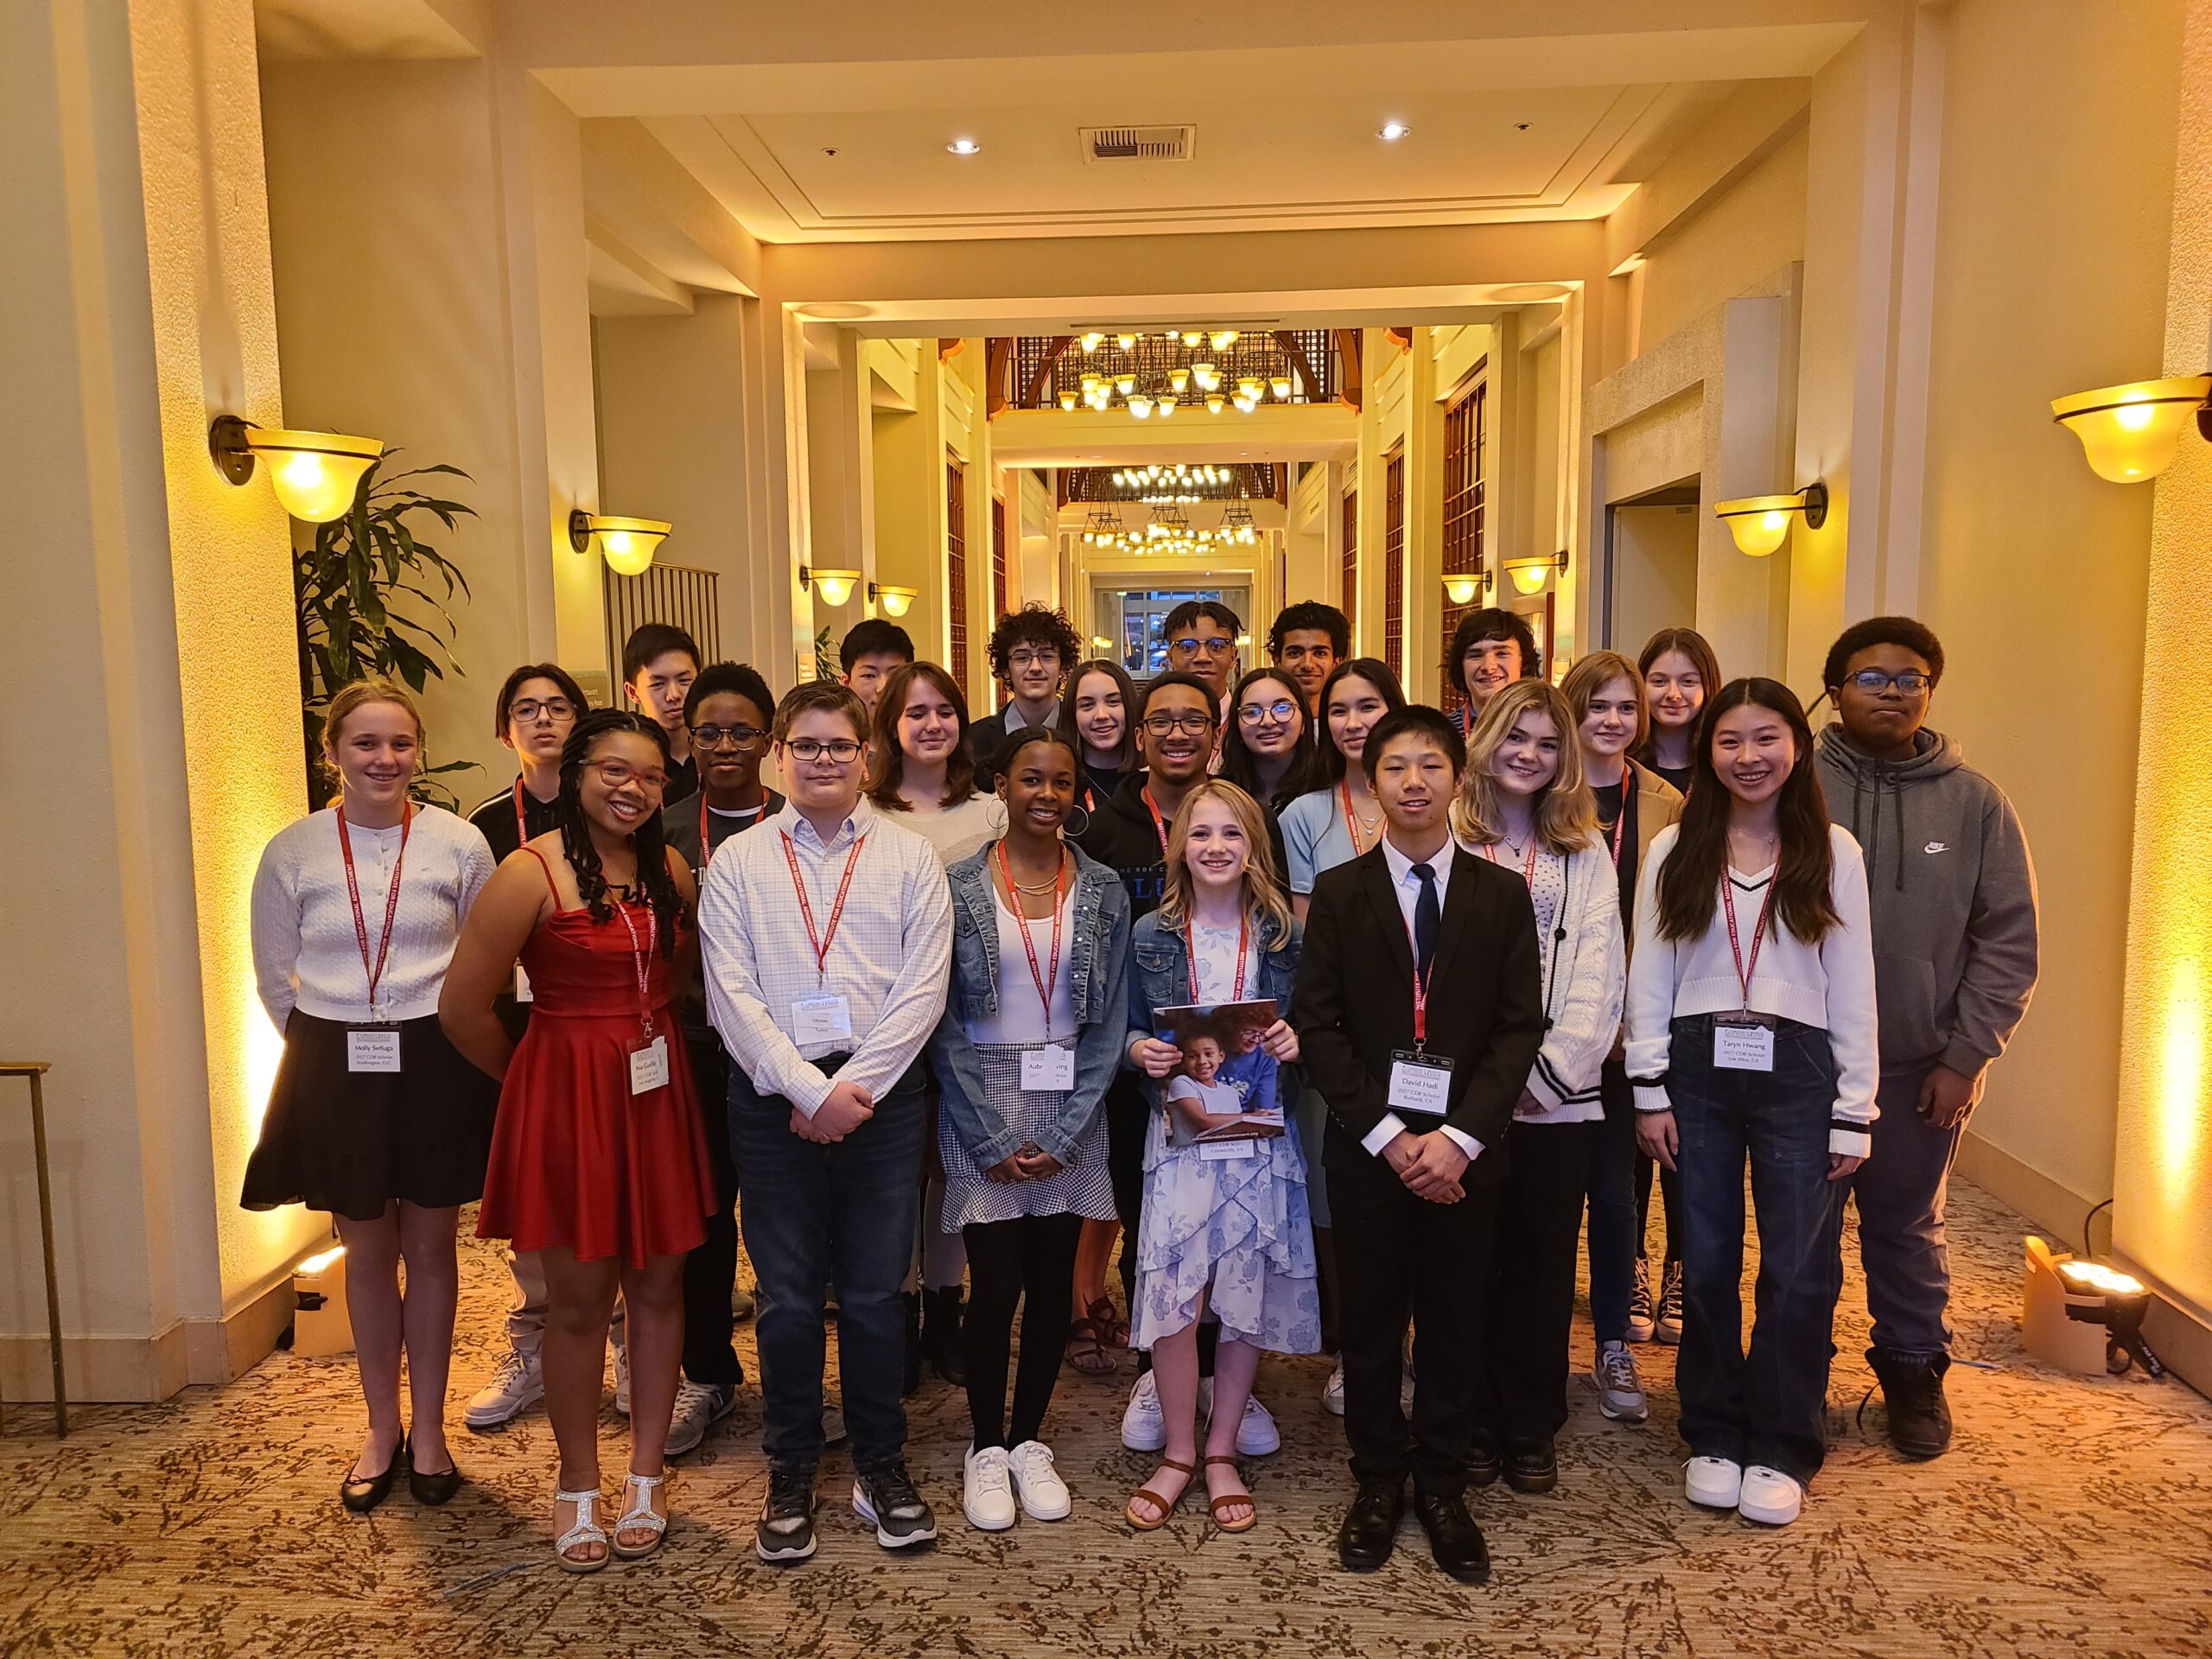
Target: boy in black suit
x,y
1419,1015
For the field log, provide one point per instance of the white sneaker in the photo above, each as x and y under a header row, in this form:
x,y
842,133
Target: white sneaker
x,y
1713,1483
1143,1427
622,1380
1770,1497
1044,1495
1332,1392
1256,1433
833,1423
699,1405
1620,1391
518,1385
986,1494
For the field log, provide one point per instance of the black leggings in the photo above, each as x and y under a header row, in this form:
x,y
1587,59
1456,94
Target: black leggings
x,y
1670,1200
1032,1257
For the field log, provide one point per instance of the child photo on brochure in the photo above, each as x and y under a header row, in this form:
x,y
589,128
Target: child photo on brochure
x,y
1223,1093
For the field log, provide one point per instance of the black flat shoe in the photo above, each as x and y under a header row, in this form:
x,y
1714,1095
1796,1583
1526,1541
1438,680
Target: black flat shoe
x,y
1531,1466
1370,1527
361,1493
1453,1537
431,1486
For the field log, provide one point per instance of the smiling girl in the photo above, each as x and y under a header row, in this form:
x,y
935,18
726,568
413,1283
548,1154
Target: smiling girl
x,y
1751,1035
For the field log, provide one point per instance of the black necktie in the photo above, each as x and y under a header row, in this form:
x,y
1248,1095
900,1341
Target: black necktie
x,y
1428,920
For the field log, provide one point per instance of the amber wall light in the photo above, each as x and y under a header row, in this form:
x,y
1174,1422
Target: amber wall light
x,y
2130,433
895,600
1761,523
315,474
835,587
627,545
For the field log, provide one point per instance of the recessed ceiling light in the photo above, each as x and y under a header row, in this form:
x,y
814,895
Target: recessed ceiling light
x,y
963,147
1391,131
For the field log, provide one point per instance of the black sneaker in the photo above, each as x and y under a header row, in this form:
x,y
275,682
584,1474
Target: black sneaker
x,y
1641,1322
1912,1389
888,1501
1668,1328
785,1531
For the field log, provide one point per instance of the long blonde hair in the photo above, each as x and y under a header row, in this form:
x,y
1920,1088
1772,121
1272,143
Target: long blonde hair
x,y
1564,811
1263,893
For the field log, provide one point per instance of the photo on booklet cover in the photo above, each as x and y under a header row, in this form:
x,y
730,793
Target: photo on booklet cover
x,y
1225,1079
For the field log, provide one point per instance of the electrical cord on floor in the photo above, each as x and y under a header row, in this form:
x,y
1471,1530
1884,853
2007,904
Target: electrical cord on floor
x,y
2088,1249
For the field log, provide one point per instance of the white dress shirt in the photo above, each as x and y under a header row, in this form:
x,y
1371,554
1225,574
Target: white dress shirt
x,y
890,957
1406,886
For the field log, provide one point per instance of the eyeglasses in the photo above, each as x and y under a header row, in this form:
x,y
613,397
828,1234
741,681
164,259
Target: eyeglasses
x,y
1190,720
1251,714
553,708
744,737
1912,682
1033,659
614,774
1192,645
843,750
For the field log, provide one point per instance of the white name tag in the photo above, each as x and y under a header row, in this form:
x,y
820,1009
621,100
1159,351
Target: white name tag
x,y
825,1017
523,993
1215,1152
1050,1070
372,1048
1419,1083
1743,1046
649,1067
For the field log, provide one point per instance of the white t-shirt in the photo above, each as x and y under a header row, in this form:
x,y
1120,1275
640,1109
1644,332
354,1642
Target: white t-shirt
x,y
1020,1018
1215,1099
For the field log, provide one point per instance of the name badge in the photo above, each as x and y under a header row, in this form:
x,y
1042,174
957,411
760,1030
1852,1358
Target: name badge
x,y
1048,1070
1215,1152
523,993
825,1017
1742,1042
649,1067
372,1048
1419,1083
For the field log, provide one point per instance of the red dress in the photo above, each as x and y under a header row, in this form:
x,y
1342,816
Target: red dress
x,y
577,1160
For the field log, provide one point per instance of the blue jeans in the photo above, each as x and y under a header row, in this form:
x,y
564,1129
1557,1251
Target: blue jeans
x,y
814,1215
1768,1406
1900,1191
1615,1235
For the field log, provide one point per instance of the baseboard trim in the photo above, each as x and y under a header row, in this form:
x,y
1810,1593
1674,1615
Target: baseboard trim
x,y
137,1370
2055,1208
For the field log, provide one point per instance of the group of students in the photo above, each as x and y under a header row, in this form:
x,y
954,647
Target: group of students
x,y
909,1033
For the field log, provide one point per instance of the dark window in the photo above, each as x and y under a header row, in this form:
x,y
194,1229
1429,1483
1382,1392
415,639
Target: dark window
x,y
955,568
1463,490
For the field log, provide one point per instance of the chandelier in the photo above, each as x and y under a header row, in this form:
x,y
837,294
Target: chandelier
x,y
1170,531
1150,374
1157,485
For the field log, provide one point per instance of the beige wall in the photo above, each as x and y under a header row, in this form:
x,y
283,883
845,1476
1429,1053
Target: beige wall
x,y
2057,192
1743,235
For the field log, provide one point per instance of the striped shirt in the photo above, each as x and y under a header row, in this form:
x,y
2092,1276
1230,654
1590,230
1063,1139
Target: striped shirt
x,y
890,957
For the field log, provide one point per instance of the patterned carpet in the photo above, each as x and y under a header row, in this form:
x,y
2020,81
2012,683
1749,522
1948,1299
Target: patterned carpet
x,y
2074,1516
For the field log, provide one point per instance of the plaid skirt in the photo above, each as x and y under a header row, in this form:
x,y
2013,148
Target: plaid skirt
x,y
1083,1186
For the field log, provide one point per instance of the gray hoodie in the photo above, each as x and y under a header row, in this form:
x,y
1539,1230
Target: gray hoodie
x,y
1953,899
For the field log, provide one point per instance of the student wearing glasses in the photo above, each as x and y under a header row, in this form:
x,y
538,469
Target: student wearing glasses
x,y
598,1160
1953,898
1201,635
728,712
828,939
1032,650
1308,640
1267,748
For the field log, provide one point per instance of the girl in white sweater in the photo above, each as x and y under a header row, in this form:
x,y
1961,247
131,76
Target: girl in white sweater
x,y
1524,805
1751,1033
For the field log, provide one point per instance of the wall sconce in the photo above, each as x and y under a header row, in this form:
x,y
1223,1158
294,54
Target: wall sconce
x,y
1529,574
1761,523
627,545
2130,433
315,474
894,600
834,587
1100,642
1461,586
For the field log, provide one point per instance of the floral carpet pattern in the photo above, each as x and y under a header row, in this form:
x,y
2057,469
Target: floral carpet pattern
x,y
2074,1516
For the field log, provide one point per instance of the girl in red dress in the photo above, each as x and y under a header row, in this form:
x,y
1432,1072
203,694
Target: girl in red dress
x,y
599,1159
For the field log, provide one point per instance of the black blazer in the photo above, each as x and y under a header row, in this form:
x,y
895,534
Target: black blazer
x,y
1355,1002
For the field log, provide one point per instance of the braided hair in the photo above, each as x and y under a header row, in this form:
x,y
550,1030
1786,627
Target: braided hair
x,y
576,844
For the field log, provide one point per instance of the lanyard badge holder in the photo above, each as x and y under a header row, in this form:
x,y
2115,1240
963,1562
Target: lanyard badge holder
x,y
1049,1069
649,1054
1419,1082
1744,1041
827,1016
374,1045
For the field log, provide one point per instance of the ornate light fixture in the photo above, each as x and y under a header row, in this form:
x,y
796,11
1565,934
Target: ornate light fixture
x,y
1151,374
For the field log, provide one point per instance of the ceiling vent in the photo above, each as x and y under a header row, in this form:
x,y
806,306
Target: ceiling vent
x,y
1137,144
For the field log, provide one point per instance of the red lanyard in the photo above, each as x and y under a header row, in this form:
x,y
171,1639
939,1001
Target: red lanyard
x,y
1046,983
374,969
642,959
1157,822
821,942
1744,971
1351,826
1528,869
1620,822
1189,947
521,829
1421,984
706,846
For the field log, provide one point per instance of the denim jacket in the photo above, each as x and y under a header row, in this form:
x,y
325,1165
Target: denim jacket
x,y
1162,980
1099,959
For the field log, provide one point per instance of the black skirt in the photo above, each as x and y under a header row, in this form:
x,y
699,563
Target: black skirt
x,y
351,1143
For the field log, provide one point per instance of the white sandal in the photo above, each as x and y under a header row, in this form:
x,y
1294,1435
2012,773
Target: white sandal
x,y
586,1531
641,1513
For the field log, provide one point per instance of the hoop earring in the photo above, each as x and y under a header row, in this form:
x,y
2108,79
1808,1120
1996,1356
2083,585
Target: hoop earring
x,y
1074,831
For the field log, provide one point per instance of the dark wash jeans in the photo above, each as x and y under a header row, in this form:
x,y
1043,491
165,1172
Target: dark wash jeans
x,y
813,1215
1768,1406
1900,1191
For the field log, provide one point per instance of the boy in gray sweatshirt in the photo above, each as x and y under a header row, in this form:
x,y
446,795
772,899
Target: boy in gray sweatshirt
x,y
1954,905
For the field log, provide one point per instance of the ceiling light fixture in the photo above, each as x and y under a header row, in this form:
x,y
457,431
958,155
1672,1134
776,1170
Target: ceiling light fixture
x,y
627,545
964,147
1391,131
1760,523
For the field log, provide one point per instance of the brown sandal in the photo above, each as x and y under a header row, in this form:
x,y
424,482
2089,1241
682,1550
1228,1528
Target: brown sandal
x,y
1113,1329
1086,1349
1216,1504
1166,1506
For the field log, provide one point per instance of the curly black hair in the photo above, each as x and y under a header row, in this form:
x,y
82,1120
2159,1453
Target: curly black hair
x,y
576,844
1914,635
1034,624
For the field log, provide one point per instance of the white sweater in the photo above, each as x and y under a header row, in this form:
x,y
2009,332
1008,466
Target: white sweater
x,y
305,953
1829,985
